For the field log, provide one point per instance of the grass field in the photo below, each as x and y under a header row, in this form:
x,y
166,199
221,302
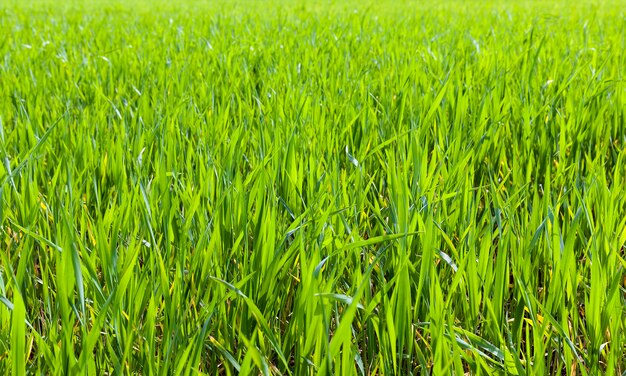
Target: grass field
x,y
305,188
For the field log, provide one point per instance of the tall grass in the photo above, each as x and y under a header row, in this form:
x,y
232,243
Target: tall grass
x,y
312,188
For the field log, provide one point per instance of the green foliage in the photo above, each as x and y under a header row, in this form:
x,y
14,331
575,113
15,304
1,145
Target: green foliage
x,y
313,188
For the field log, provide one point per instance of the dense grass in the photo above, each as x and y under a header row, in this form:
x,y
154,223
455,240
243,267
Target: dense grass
x,y
307,188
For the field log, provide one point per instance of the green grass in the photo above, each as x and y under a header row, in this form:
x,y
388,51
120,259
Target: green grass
x,y
313,188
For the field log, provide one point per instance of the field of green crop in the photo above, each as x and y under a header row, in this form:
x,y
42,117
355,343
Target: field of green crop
x,y
313,187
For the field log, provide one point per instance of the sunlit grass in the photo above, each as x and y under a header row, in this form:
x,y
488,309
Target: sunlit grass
x,y
313,188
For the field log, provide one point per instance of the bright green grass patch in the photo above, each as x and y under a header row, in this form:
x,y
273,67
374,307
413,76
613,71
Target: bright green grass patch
x,y
313,188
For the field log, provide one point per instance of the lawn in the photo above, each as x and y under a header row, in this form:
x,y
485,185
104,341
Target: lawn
x,y
313,187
